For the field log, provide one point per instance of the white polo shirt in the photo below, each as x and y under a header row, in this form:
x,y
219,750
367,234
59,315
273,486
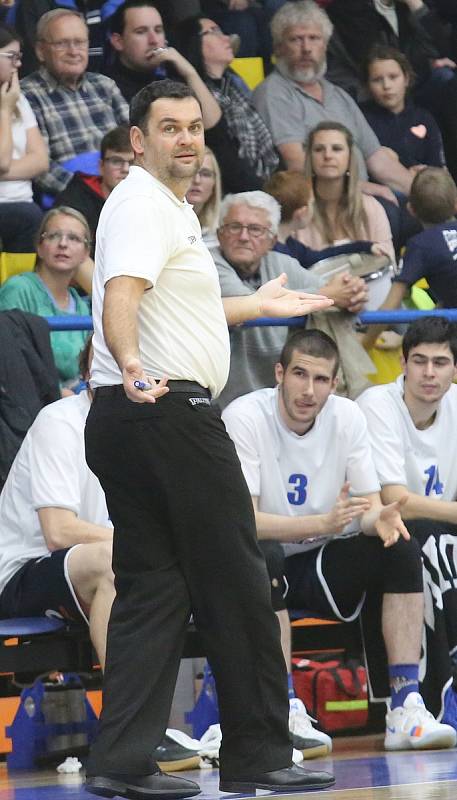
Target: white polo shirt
x,y
145,231
295,475
423,461
49,470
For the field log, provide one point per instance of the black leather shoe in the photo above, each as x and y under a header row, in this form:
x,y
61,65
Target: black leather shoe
x,y
290,779
173,757
141,787
309,747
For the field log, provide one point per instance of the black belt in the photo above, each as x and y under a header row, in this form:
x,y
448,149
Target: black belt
x,y
186,387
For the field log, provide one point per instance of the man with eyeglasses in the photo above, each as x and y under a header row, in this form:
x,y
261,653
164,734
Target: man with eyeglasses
x,y
74,108
87,193
245,259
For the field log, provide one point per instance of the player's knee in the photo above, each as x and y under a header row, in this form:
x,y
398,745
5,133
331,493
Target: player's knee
x,y
404,567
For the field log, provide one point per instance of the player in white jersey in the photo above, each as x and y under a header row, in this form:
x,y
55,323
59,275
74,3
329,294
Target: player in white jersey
x,y
412,424
307,461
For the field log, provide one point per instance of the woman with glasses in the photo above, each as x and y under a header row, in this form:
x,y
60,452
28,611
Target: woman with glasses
x,y
23,153
205,196
63,241
210,51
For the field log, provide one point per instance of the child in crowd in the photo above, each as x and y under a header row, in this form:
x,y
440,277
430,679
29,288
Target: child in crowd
x,y
431,254
410,132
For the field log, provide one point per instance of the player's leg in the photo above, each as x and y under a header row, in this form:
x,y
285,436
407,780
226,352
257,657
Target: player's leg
x,y
89,571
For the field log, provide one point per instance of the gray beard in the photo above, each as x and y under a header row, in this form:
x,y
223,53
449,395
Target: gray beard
x,y
310,75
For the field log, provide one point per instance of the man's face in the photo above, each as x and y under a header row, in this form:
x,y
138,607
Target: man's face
x,y
302,53
304,388
65,53
173,148
429,372
143,34
114,167
245,237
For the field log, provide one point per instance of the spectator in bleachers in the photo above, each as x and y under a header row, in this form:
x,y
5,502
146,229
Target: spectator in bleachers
x,y
294,193
63,244
341,210
409,131
411,427
142,55
408,25
245,19
431,254
295,97
23,154
413,27
245,260
87,193
210,51
74,108
205,196
309,468
96,14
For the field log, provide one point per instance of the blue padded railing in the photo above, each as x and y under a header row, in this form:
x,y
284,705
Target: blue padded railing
x,y
76,323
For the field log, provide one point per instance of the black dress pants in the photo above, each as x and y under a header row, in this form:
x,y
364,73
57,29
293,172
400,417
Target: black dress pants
x,y
184,542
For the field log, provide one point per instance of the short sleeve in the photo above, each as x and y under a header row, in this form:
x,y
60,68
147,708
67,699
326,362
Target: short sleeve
x,y
28,117
412,265
52,486
361,471
242,433
385,438
146,249
282,112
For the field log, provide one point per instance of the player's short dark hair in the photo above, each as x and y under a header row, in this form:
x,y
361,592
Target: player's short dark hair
x,y
117,21
312,343
84,358
430,330
140,104
117,139
433,196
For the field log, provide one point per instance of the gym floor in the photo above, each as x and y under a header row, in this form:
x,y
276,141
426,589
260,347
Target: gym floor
x,y
363,771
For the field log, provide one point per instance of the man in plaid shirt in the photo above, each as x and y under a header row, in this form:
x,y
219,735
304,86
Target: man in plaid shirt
x,y
74,108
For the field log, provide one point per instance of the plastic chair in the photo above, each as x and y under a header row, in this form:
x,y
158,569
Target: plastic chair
x,y
15,263
251,70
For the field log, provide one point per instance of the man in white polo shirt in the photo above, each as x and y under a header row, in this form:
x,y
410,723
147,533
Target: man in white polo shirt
x,y
184,533
308,466
412,424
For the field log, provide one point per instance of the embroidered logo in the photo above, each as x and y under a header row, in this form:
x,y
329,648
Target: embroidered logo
x,y
191,239
199,401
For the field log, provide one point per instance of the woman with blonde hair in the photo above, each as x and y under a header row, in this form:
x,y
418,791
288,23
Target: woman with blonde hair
x,y
23,153
63,241
205,195
341,212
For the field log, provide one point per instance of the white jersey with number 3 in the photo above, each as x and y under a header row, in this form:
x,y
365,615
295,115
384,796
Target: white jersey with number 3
x,y
425,461
297,475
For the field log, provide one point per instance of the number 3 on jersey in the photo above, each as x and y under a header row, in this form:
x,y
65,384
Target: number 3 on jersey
x,y
433,482
298,483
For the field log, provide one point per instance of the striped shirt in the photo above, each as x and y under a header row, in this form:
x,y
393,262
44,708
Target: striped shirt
x,y
72,121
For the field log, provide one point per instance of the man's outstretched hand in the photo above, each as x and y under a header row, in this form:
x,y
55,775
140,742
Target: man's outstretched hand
x,y
277,301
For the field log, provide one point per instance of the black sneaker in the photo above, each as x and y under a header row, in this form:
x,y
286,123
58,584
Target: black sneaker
x,y
173,757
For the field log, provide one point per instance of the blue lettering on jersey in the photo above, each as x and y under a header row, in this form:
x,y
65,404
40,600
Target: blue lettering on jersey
x,y
433,482
299,484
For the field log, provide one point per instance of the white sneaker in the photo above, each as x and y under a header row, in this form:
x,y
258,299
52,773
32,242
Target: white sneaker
x,y
412,727
311,742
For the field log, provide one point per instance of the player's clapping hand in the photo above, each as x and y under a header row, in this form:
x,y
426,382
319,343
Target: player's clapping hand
x,y
133,373
276,301
345,510
389,524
